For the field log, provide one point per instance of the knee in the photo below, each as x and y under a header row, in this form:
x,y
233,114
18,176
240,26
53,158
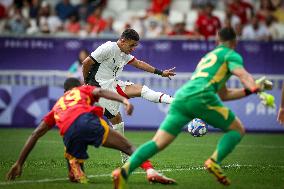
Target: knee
x,y
238,126
242,130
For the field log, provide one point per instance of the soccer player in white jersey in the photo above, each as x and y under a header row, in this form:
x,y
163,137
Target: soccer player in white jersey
x,y
106,63
103,67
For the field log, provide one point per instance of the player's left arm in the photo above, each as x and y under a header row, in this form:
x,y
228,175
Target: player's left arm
x,y
148,68
230,93
16,169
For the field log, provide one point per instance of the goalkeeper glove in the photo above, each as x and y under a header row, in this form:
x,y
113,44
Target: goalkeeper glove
x,y
264,84
267,99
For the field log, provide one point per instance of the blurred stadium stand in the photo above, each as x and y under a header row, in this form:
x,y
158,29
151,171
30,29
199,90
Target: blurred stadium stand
x,y
41,17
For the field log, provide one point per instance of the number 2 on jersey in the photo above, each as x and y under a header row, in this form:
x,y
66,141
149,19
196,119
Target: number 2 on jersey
x,y
204,63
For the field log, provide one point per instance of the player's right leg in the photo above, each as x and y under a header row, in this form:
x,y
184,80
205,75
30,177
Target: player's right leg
x,y
225,146
144,152
136,90
113,115
209,108
118,125
119,142
170,128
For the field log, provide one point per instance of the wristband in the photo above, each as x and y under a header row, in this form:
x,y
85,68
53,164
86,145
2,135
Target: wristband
x,y
158,72
250,91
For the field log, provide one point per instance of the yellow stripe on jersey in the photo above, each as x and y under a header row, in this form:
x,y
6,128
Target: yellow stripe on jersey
x,y
221,110
221,73
106,127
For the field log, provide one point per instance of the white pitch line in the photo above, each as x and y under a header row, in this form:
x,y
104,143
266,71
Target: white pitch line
x,y
137,172
177,144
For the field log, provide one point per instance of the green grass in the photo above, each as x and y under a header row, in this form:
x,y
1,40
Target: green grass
x,y
260,158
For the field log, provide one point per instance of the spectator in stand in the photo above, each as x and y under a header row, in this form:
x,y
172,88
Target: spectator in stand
x,y
75,69
279,13
64,9
153,28
266,9
159,7
48,21
196,4
98,24
231,20
3,15
273,30
109,31
34,8
73,25
25,9
255,30
2,11
84,9
242,9
207,24
180,30
239,30
17,24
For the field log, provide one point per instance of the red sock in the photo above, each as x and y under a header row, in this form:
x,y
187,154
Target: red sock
x,y
146,165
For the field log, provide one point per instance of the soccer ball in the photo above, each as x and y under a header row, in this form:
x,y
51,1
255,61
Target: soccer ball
x,y
197,127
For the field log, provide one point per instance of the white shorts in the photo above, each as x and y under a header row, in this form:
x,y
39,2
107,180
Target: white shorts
x,y
116,86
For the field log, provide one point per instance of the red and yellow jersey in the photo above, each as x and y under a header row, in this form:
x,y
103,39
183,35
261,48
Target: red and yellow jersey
x,y
72,104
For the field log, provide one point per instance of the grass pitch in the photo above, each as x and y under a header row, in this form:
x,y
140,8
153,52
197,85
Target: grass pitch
x,y
258,162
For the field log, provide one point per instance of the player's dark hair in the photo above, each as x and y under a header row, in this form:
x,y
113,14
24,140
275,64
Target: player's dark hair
x,y
71,83
130,34
227,34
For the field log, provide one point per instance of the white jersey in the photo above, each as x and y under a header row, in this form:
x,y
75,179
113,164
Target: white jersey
x,y
111,61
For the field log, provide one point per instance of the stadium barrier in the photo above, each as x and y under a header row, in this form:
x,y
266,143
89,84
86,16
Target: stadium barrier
x,y
25,96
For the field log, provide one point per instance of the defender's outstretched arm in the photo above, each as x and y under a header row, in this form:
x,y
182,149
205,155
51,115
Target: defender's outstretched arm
x,y
16,169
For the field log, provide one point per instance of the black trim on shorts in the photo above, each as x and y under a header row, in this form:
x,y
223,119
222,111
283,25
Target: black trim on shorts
x,y
90,80
108,114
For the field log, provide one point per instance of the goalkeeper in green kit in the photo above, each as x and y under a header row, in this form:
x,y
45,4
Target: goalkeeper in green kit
x,y
202,97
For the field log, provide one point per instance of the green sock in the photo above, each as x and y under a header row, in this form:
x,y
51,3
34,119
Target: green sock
x,y
227,143
140,155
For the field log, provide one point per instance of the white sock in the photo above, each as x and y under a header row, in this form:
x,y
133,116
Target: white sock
x,y
154,96
119,127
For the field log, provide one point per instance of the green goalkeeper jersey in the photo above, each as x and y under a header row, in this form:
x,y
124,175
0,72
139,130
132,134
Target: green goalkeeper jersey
x,y
212,72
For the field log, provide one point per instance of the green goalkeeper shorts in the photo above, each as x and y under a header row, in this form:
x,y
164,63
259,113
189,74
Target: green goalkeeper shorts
x,y
206,106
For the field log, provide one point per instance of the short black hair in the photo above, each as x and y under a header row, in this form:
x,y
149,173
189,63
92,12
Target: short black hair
x,y
227,34
130,34
70,83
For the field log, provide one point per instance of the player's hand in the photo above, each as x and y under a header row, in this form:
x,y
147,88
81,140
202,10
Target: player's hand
x,y
128,107
267,99
264,84
15,171
280,116
168,73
